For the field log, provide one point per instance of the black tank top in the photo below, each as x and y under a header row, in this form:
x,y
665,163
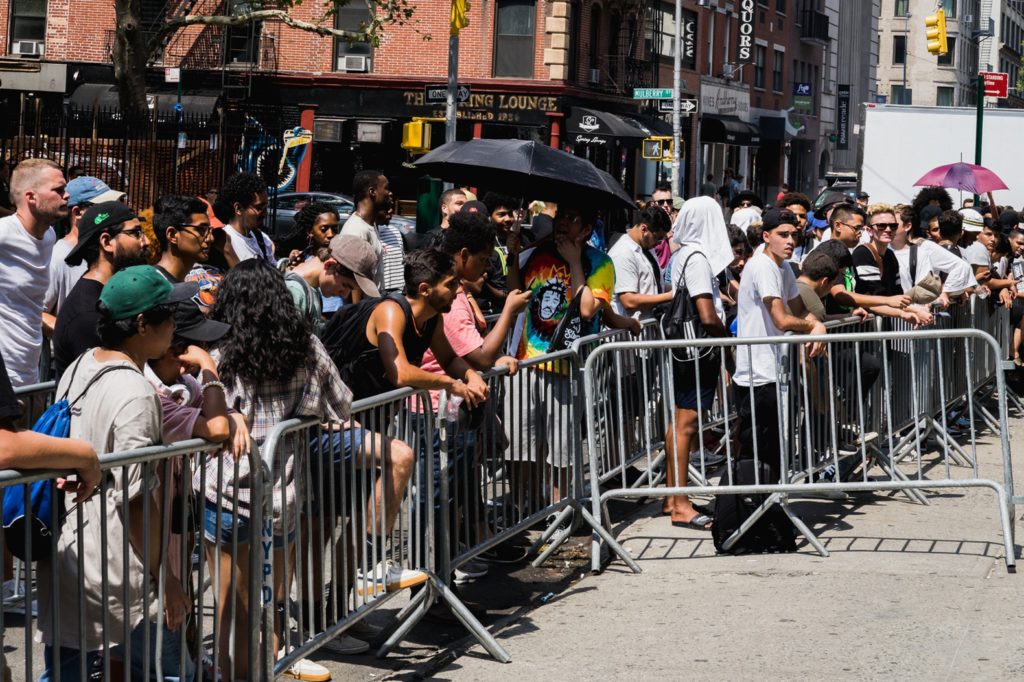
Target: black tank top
x,y
358,360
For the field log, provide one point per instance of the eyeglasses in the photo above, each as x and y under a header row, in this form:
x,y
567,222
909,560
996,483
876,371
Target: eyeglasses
x,y
857,228
891,227
134,232
201,231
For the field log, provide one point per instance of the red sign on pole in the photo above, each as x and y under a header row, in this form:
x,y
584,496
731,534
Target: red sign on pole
x,y
996,84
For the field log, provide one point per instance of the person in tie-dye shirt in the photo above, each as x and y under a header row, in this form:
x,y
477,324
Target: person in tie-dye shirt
x,y
555,271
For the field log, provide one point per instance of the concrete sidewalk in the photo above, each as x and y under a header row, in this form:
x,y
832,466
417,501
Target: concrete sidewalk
x,y
910,591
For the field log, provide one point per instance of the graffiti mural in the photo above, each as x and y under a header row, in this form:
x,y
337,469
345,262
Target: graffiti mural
x,y
276,160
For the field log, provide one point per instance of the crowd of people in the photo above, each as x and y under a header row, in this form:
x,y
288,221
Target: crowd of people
x,y
226,332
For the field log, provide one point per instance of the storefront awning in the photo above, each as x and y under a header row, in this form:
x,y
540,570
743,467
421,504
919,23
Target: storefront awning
x,y
585,124
655,125
105,97
728,130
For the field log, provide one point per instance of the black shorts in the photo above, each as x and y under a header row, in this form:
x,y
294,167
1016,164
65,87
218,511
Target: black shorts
x,y
1017,312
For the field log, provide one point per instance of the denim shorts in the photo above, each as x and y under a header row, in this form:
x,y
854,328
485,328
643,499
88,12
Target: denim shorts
x,y
331,450
687,399
229,531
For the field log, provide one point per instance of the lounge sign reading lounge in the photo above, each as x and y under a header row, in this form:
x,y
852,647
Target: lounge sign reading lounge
x,y
745,52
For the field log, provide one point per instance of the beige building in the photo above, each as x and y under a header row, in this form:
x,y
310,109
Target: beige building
x,y
909,74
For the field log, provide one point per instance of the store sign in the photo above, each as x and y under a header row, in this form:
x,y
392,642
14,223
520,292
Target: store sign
x,y
497,108
745,53
593,140
843,132
689,36
803,96
720,100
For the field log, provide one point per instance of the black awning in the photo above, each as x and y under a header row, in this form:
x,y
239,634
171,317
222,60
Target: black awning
x,y
773,128
103,96
728,130
589,123
656,126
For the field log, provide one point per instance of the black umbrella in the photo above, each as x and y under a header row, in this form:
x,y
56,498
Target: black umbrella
x,y
527,169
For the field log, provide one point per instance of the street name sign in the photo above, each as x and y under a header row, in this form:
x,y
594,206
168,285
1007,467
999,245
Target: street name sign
x,y
652,93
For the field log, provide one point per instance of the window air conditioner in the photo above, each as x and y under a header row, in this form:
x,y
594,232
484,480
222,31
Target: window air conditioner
x,y
595,76
353,62
33,48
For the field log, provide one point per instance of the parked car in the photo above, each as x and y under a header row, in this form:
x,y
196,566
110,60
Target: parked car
x,y
287,204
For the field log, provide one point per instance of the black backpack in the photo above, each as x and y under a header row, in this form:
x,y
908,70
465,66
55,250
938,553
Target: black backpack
x,y
343,336
772,533
680,321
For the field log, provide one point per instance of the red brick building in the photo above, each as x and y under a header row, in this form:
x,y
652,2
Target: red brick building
x,y
560,71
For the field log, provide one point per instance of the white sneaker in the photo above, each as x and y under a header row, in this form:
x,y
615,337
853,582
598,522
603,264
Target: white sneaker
x,y
470,571
304,669
346,645
388,576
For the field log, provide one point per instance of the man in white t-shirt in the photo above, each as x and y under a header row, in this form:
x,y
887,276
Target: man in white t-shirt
x,y
40,197
637,275
246,194
979,256
372,196
769,305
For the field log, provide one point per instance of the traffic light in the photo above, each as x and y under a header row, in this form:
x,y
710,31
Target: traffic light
x,y
657,148
416,136
460,16
935,30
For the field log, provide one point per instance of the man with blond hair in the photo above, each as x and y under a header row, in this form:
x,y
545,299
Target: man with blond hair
x,y
40,197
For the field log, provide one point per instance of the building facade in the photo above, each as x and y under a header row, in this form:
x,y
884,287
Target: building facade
x,y
909,74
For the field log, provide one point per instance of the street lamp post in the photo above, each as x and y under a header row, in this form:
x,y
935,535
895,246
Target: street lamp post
x,y
677,67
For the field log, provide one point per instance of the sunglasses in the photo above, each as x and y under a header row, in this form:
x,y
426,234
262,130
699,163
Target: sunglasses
x,y
891,227
663,202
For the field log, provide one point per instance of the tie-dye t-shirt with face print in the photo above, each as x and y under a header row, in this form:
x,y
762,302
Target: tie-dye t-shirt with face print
x,y
547,275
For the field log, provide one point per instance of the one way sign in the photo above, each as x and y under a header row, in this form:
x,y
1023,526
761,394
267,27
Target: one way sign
x,y
439,93
686,106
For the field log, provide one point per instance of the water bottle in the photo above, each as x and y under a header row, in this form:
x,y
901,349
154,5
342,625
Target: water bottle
x,y
454,402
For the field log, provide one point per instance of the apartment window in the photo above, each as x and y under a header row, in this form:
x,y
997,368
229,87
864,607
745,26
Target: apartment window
x,y
948,58
355,57
898,92
595,38
899,49
28,26
902,7
573,61
950,7
514,38
944,96
777,66
759,57
780,6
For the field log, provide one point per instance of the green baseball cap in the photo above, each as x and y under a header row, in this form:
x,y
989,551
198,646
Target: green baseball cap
x,y
140,288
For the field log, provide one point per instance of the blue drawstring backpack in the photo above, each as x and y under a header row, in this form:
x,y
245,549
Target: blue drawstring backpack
x,y
41,505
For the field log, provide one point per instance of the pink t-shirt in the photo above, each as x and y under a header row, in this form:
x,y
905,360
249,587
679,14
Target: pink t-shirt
x,y
460,326
182,404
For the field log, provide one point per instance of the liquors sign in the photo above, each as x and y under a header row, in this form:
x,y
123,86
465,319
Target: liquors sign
x,y
746,41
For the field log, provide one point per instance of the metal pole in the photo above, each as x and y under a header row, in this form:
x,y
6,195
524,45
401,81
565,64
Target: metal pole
x,y
677,67
453,88
980,125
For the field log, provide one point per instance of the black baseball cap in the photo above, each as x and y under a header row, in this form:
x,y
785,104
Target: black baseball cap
x,y
774,217
863,195
98,218
191,325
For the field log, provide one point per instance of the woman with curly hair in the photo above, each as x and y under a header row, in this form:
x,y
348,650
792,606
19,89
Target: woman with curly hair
x,y
314,226
273,369
930,196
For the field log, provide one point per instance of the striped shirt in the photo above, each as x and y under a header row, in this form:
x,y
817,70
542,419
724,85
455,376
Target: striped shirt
x,y
393,254
316,390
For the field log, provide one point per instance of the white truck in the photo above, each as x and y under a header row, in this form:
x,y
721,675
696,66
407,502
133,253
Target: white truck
x,y
902,143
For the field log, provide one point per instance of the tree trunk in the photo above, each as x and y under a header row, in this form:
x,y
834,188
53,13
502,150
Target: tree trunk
x,y
130,56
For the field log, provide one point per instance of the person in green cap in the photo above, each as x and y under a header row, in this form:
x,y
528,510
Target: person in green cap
x,y
116,409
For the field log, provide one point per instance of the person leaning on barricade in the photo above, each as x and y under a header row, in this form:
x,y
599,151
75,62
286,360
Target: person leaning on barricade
x,y
571,284
989,267
924,264
769,305
469,240
117,410
705,252
273,368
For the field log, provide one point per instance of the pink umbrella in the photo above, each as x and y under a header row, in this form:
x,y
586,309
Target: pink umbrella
x,y
962,176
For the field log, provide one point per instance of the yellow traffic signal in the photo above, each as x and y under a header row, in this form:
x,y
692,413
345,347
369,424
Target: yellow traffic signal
x,y
657,148
935,30
416,137
460,16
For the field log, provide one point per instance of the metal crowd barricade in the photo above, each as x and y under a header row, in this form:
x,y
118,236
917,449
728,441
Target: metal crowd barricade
x,y
809,440
124,558
351,520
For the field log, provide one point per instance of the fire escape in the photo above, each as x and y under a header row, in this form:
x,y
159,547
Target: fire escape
x,y
236,53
